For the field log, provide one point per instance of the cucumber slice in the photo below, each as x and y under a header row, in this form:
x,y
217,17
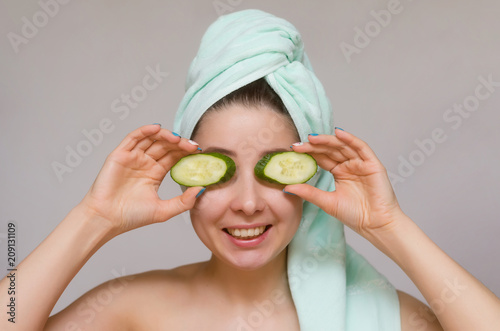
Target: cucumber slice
x,y
286,168
203,169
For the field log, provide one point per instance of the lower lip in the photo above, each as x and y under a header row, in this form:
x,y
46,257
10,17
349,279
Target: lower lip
x,y
249,242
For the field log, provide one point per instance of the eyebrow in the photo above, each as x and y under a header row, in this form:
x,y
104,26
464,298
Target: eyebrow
x,y
233,154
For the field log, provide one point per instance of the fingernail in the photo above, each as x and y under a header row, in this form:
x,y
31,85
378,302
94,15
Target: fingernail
x,y
202,190
157,124
176,134
288,192
192,142
297,144
339,128
313,134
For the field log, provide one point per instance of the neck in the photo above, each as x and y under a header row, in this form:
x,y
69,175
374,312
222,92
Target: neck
x,y
250,286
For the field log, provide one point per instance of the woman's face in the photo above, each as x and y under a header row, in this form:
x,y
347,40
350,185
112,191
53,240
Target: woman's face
x,y
224,212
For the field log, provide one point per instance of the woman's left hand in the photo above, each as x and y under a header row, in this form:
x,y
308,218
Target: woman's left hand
x,y
363,198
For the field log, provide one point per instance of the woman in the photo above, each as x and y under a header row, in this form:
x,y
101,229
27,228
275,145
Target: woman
x,y
251,91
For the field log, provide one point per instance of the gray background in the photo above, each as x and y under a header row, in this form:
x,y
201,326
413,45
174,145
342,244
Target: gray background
x,y
395,90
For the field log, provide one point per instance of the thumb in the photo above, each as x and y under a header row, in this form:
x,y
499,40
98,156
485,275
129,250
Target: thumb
x,y
179,204
320,198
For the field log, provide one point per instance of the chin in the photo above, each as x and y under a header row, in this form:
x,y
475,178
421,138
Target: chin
x,y
252,260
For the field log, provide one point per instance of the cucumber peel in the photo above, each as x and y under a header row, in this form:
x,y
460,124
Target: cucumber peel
x,y
203,169
286,168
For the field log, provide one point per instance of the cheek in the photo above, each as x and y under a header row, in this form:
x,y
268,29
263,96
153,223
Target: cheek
x,y
287,207
206,213
209,206
287,202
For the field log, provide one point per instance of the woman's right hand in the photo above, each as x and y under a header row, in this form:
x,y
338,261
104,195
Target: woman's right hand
x,y
124,193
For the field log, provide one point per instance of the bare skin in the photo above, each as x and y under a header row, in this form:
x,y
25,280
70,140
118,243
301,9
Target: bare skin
x,y
226,291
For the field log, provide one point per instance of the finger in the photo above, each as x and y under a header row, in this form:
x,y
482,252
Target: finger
x,y
178,205
325,162
330,152
163,135
168,160
327,143
313,194
134,137
145,143
159,148
356,144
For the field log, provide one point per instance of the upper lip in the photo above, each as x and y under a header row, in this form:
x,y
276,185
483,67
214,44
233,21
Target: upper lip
x,y
247,226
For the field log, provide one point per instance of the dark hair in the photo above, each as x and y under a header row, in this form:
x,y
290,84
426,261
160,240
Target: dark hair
x,y
257,93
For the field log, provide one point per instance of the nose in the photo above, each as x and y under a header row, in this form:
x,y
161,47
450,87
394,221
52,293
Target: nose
x,y
247,193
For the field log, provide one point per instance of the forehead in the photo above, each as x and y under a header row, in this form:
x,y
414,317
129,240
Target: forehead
x,y
238,127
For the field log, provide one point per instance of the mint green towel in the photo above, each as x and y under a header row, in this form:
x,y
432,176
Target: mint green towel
x,y
333,287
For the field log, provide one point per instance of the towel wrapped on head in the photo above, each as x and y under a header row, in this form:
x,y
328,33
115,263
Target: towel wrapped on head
x,y
333,287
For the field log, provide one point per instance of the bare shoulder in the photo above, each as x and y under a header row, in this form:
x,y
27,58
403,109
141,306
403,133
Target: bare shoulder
x,y
163,286
128,302
157,280
415,315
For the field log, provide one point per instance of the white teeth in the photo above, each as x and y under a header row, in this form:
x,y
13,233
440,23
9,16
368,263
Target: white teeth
x,y
247,233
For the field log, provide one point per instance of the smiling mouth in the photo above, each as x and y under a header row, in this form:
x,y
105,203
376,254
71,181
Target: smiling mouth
x,y
247,234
